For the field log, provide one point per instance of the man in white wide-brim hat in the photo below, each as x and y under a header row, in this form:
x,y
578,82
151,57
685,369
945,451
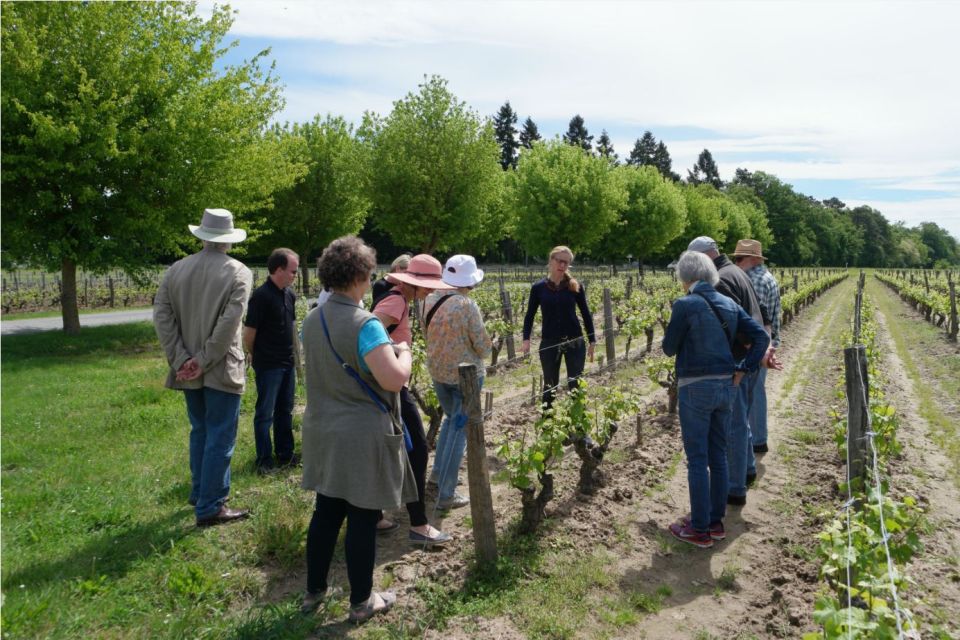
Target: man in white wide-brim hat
x,y
197,314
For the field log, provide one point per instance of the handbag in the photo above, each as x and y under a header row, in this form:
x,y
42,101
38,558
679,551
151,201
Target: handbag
x,y
407,440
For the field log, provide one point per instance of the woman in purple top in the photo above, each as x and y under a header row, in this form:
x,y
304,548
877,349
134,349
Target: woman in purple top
x,y
558,296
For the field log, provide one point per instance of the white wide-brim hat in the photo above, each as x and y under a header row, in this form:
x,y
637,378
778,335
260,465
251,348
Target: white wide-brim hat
x,y
217,226
462,271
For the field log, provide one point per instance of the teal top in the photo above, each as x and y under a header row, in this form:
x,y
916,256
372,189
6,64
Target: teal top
x,y
372,335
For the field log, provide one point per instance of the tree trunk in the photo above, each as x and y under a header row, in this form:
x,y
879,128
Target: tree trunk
x,y
68,298
591,477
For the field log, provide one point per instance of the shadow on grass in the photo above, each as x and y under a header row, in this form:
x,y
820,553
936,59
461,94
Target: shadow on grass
x,y
110,554
107,340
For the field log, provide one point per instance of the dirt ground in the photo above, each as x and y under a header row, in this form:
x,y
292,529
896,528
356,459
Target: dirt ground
x,y
761,581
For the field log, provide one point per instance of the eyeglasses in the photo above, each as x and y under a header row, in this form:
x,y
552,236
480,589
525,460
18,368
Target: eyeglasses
x,y
560,261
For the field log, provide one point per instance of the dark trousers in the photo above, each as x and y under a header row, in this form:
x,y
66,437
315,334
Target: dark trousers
x,y
552,350
360,545
418,456
275,397
417,510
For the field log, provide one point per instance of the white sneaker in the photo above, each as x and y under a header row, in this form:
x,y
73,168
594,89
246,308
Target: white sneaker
x,y
453,502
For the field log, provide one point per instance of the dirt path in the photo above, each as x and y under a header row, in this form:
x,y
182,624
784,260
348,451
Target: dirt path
x,y
923,471
759,582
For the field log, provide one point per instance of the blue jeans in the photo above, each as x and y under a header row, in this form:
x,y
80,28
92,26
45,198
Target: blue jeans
x,y
740,458
705,411
213,420
275,391
758,409
453,438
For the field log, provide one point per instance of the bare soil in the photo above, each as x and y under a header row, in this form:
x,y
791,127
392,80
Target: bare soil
x,y
761,581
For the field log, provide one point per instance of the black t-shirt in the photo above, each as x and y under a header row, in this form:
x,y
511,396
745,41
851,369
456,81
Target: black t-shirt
x,y
272,313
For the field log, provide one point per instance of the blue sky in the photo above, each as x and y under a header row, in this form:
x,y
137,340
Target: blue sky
x,y
859,100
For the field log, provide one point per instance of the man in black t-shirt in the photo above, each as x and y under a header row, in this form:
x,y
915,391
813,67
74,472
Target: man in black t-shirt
x,y
268,334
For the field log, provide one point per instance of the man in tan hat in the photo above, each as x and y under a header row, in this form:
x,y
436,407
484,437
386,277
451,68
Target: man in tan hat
x,y
197,314
749,257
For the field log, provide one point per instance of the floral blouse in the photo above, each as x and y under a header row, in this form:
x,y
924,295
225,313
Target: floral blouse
x,y
456,334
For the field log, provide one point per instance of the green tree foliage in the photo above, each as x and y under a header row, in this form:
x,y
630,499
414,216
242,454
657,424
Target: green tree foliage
x,y
505,131
704,218
943,249
529,134
577,134
787,215
756,213
330,200
655,213
644,151
661,159
705,171
436,182
120,125
564,196
605,148
911,252
874,228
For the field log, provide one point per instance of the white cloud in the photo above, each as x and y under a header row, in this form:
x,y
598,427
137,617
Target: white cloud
x,y
944,211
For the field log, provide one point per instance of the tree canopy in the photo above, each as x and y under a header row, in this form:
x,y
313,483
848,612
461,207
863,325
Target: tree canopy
x,y
120,127
505,130
577,134
655,213
435,177
564,195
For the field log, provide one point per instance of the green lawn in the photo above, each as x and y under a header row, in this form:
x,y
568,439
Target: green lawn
x,y
98,539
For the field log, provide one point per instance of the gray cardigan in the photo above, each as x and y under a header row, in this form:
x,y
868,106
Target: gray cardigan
x,y
351,448
197,313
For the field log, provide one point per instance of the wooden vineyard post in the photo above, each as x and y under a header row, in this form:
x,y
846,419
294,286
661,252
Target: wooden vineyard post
x,y
629,287
608,326
858,408
481,502
796,277
508,316
110,282
952,333
639,429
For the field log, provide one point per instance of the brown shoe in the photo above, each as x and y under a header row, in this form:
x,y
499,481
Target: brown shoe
x,y
223,516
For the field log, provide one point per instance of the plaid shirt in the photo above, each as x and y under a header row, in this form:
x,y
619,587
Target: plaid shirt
x,y
768,293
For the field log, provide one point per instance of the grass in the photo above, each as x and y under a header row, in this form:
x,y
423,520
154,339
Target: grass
x,y
56,313
98,539
921,348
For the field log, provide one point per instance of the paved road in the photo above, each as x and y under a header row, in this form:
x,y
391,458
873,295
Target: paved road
x,y
33,325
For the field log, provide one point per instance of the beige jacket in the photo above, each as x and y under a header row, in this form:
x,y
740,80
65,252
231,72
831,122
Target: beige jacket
x,y
198,312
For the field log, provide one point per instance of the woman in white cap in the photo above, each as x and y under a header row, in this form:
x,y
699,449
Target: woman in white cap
x,y
419,276
453,326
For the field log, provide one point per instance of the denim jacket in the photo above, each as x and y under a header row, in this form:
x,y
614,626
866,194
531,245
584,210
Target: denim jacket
x,y
695,336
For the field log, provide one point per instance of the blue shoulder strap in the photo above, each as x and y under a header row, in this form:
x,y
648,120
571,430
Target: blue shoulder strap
x,y
350,370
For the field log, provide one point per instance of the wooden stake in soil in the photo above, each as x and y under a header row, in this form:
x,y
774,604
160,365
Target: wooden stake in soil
x,y
608,325
481,502
952,329
508,316
858,403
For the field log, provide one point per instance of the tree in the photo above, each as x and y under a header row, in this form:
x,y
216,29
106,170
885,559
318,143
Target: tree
x,y
875,229
655,213
942,247
661,159
704,218
644,151
605,148
564,196
577,134
121,124
835,203
330,200
505,131
755,211
529,134
705,171
435,179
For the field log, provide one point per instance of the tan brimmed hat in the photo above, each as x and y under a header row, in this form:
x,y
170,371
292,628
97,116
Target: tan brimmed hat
x,y
217,226
748,249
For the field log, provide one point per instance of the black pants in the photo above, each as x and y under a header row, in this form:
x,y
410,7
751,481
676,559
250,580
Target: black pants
x,y
360,545
551,352
417,510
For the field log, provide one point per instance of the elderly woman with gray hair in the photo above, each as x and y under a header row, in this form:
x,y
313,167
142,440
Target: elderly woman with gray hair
x,y
702,329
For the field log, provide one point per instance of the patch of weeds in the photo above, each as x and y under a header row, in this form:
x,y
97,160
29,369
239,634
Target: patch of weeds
x,y
727,580
616,456
782,506
275,622
703,634
500,477
279,532
804,436
618,612
620,532
646,602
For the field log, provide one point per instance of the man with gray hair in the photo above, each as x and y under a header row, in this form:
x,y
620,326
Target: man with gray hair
x,y
197,314
735,284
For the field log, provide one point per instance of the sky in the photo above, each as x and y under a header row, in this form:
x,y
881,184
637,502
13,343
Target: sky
x,y
857,100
